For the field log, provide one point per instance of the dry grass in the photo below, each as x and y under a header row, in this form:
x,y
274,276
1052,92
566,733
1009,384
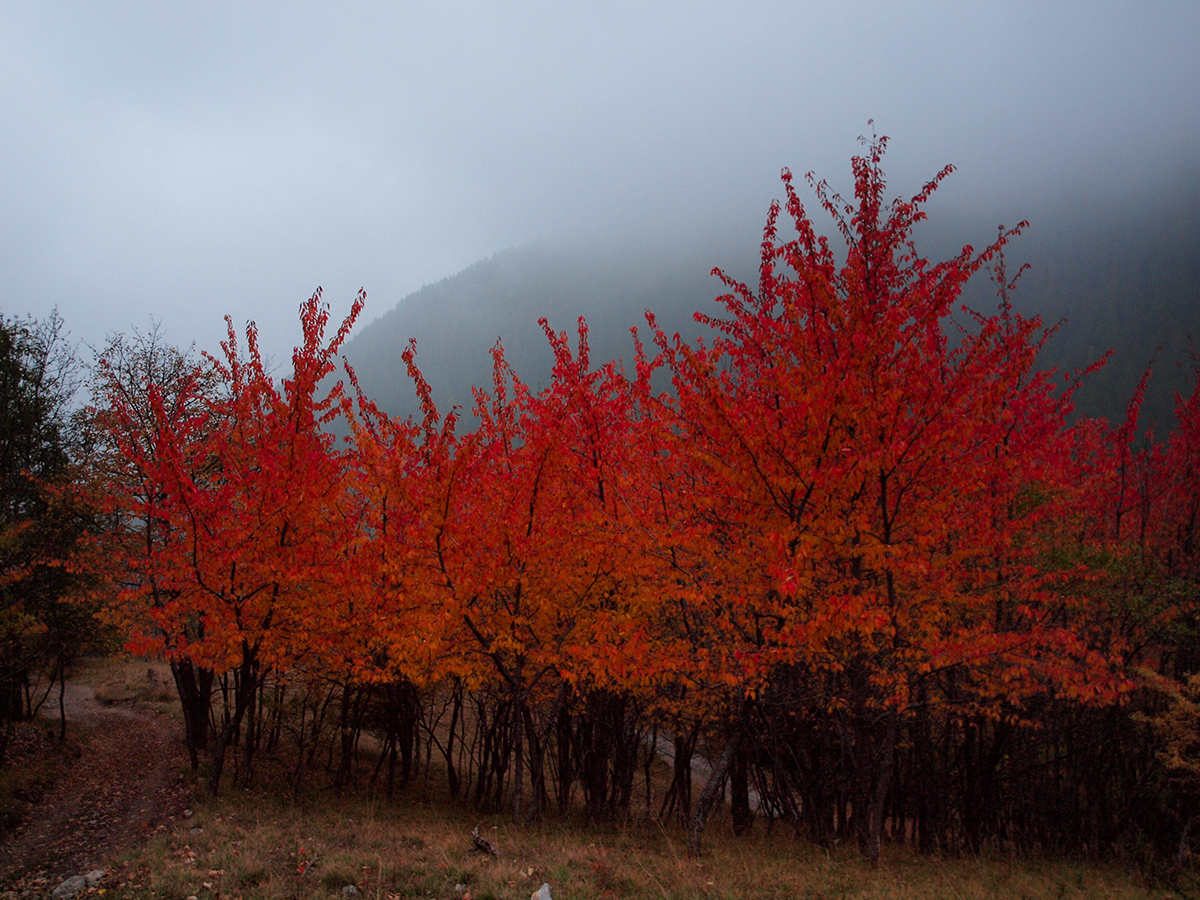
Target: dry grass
x,y
267,844
260,846
144,683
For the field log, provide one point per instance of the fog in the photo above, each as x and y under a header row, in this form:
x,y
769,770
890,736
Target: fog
x,y
187,163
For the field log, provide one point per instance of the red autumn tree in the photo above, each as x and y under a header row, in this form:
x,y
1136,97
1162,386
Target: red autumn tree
x,y
139,382
526,527
869,485
253,494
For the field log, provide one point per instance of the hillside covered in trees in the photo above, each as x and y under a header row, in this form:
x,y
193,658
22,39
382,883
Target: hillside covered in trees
x,y
1119,275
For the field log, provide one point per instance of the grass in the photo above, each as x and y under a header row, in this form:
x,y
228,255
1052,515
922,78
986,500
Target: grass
x,y
144,683
260,845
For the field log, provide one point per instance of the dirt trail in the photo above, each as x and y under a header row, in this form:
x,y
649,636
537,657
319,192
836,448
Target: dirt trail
x,y
123,786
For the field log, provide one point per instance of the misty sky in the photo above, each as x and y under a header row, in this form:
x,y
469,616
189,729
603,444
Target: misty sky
x,y
185,161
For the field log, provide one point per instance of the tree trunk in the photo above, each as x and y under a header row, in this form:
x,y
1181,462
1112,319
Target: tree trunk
x,y
679,795
519,750
251,733
566,767
739,790
874,784
194,685
452,777
62,702
346,739
716,782
244,694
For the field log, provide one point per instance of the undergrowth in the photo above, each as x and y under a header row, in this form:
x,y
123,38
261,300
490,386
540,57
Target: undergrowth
x,y
274,841
254,844
34,760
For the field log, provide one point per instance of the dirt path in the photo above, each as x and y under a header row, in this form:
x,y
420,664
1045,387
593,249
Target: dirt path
x,y
123,786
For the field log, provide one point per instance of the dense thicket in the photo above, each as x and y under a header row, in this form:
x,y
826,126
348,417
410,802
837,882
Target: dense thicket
x,y
859,567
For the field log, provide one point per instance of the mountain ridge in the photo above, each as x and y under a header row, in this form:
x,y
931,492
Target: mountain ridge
x,y
1121,277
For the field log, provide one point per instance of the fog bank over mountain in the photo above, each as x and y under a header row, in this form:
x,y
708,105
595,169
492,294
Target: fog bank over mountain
x,y
1120,275
182,162
458,320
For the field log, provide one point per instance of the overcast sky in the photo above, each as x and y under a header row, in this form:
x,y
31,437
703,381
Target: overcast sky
x,y
184,161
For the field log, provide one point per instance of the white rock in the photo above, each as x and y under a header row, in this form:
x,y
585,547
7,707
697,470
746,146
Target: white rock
x,y
542,893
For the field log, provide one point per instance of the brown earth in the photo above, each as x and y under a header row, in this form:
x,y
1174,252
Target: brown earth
x,y
124,784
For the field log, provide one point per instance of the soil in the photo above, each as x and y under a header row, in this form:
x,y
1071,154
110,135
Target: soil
x,y
124,783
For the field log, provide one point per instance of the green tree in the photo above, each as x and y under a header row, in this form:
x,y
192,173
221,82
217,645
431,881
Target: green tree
x,y
45,520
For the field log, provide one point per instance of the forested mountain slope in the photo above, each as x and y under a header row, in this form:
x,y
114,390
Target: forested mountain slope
x,y
1118,275
1122,276
459,319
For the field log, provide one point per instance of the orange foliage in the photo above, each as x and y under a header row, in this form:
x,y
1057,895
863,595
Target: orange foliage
x,y
870,493
857,483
